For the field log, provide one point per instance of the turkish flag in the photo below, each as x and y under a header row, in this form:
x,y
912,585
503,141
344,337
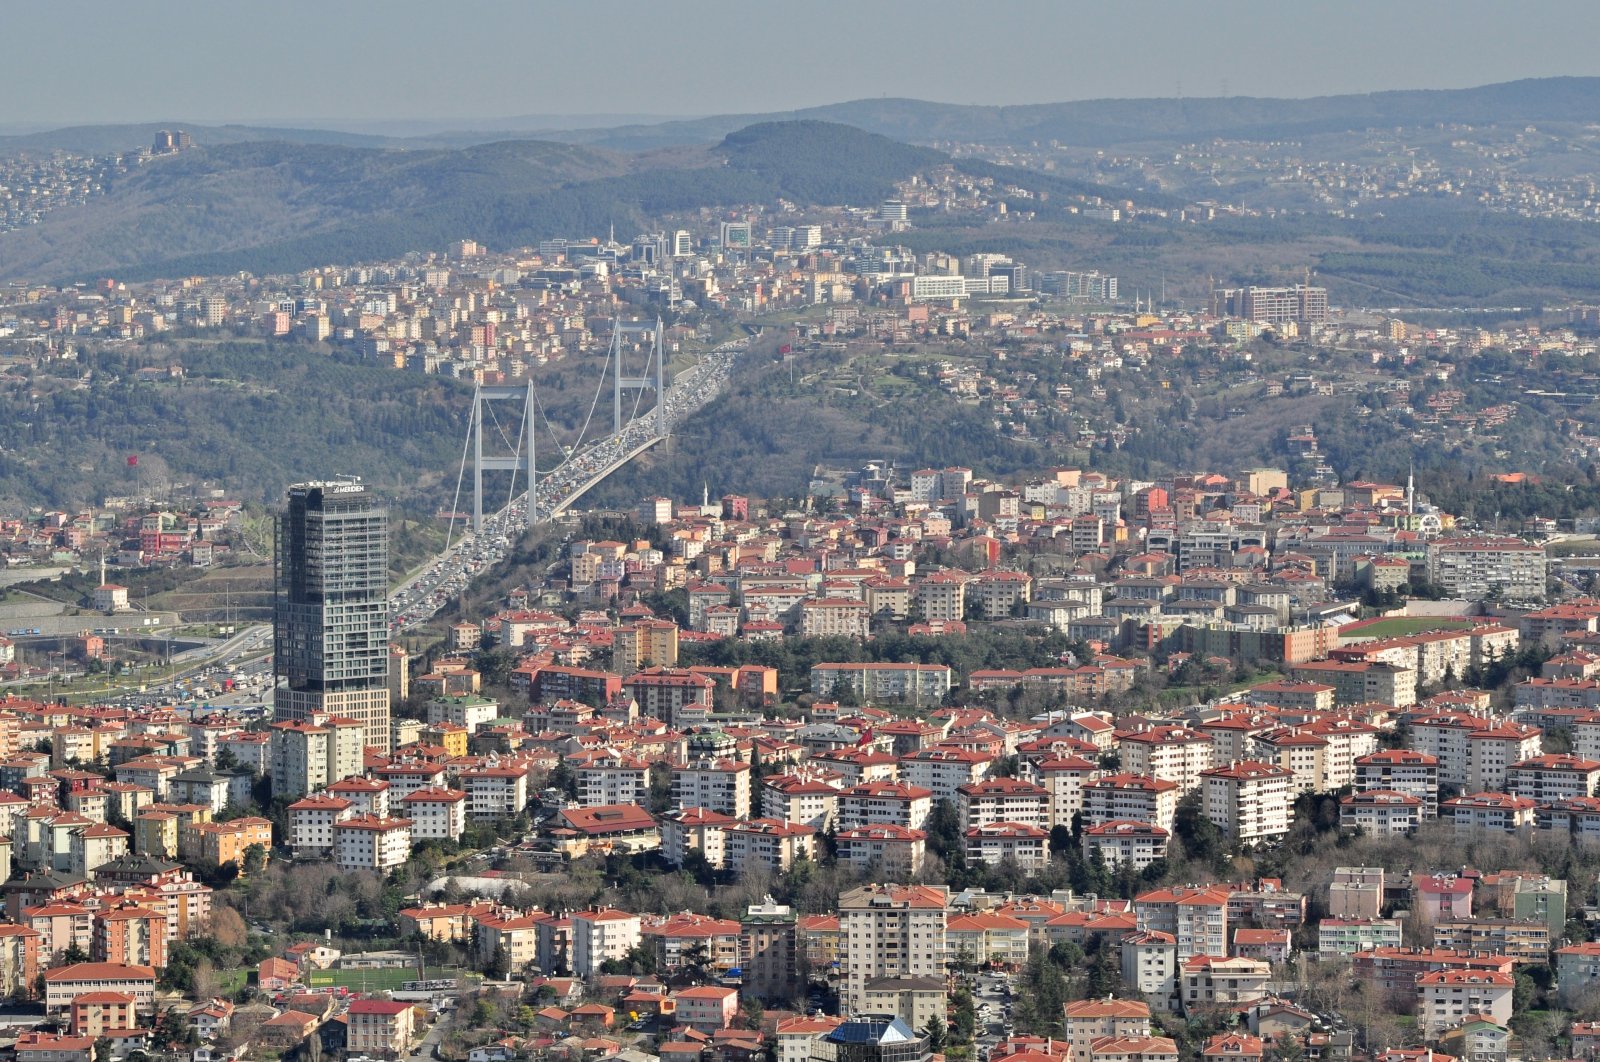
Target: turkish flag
x,y
133,460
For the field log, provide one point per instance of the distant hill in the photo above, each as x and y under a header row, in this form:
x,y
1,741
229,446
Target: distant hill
x,y
273,207
1093,123
1101,123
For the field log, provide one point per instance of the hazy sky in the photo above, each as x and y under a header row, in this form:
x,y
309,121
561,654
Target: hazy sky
x,y
75,61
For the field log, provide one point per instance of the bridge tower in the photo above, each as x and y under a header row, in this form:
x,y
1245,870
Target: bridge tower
x,y
520,459
623,382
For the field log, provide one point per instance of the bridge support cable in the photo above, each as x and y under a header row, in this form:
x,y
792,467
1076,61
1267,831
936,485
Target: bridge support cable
x,y
461,476
622,382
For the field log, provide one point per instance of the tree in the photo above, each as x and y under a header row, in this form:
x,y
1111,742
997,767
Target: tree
x,y
936,1030
964,1016
228,927
695,960
255,859
1286,1049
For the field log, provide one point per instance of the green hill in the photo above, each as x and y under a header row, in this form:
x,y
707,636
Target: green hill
x,y
278,207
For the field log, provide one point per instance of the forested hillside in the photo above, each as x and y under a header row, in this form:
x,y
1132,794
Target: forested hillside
x,y
278,207
252,422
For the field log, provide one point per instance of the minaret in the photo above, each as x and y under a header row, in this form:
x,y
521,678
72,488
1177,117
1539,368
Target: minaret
x,y
102,567
1411,489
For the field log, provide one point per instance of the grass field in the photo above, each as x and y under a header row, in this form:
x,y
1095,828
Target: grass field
x,y
375,980
1400,626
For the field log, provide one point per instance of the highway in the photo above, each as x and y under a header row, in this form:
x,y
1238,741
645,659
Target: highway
x,y
424,593
420,597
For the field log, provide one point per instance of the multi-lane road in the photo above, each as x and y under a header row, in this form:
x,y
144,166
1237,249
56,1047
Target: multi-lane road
x,y
421,596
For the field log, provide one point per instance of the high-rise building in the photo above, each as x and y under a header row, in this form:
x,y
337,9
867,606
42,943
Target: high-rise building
x,y
890,931
1301,304
331,607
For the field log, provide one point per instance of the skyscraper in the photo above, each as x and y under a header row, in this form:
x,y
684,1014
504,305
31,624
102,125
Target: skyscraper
x,y
331,607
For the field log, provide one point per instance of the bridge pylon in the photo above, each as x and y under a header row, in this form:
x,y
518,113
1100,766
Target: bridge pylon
x,y
520,459
623,382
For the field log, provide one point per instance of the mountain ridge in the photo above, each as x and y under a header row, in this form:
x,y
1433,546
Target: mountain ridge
x,y
1094,122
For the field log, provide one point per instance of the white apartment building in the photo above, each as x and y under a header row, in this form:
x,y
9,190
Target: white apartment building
x,y
1475,567
1126,841
885,803
311,822
495,792
1446,998
1248,801
1088,1020
1003,800
1220,981
890,931
995,842
942,596
367,842
944,770
1402,771
1171,753
1150,965
607,777
1063,777
599,935
1380,812
799,798
469,710
716,784
894,851
840,617
1444,736
436,813
768,843
695,829
1490,753
1130,796
1546,778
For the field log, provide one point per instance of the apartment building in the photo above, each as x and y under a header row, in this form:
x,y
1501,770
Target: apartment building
x,y
1088,1020
1171,753
1250,802
495,792
1003,800
609,776
1126,841
768,843
1130,796
367,842
891,850
800,798
943,770
599,935
1197,918
890,931
436,813
885,803
721,785
1479,567
1447,998
1416,774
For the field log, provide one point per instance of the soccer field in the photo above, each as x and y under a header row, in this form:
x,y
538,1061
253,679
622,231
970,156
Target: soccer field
x,y
1400,626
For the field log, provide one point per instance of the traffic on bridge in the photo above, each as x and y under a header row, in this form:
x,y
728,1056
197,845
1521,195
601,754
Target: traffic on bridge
x,y
421,596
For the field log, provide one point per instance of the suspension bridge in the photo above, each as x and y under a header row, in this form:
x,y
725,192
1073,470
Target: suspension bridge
x,y
635,364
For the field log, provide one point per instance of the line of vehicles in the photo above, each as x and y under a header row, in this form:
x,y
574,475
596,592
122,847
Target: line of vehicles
x,y
422,597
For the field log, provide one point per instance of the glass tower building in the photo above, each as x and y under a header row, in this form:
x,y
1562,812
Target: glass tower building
x,y
331,607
